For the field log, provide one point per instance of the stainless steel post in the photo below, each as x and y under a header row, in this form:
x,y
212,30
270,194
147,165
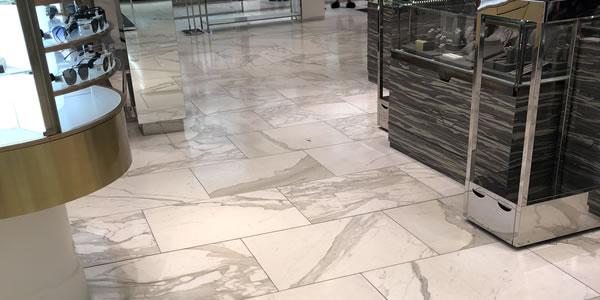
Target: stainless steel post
x,y
475,101
532,109
187,11
379,50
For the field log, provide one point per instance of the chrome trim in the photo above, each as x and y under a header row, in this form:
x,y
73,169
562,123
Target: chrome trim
x,y
532,109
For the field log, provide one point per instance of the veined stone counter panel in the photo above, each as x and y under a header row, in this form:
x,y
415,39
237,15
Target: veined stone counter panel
x,y
429,121
372,41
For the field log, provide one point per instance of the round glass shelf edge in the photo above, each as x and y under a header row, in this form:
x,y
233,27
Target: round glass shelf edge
x,y
75,110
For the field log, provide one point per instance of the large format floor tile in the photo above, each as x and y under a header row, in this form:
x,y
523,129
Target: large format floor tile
x,y
305,255
360,127
353,287
112,238
358,156
183,155
217,126
357,193
259,173
222,219
129,194
220,104
579,256
441,225
283,116
219,271
442,184
288,139
488,272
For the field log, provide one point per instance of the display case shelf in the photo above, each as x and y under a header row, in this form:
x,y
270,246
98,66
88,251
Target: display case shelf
x,y
64,89
52,47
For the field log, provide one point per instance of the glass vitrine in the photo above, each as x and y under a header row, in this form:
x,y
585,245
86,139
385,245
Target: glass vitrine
x,y
62,125
532,157
53,69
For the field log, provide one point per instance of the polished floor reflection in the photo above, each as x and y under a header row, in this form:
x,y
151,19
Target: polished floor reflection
x,y
282,187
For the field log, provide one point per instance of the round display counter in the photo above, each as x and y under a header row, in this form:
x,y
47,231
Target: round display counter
x,y
39,175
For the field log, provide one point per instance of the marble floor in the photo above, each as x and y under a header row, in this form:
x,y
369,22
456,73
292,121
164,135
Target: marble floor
x,y
282,187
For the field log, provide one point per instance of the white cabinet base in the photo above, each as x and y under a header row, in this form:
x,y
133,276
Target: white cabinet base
x,y
38,259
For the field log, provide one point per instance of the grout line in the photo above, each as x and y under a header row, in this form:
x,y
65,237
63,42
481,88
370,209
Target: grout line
x,y
414,235
199,182
294,204
151,231
371,284
260,265
562,270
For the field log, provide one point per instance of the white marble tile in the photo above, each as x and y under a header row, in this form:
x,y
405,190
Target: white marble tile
x,y
185,225
357,193
578,255
305,255
218,126
221,104
291,115
112,238
353,287
329,88
183,155
441,225
434,179
259,173
360,127
366,102
493,271
288,139
137,140
220,271
130,194
358,156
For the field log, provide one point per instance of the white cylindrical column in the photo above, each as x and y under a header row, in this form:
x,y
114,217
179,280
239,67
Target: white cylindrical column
x,y
38,259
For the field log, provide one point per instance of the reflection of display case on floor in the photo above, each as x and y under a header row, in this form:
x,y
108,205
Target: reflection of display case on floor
x,y
534,169
62,136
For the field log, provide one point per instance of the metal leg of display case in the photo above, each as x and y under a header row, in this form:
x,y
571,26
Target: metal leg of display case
x,y
133,16
379,50
38,258
193,30
206,14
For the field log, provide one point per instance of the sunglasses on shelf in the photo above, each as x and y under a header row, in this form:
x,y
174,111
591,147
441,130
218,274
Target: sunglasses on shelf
x,y
60,33
82,69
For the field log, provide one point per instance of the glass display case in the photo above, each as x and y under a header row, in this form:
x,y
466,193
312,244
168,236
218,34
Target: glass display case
x,y
51,61
533,157
440,30
54,71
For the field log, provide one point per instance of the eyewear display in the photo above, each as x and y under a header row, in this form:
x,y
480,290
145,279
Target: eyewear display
x,y
69,76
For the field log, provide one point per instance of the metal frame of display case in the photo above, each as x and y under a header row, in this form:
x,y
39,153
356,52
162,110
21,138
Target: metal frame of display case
x,y
524,222
205,24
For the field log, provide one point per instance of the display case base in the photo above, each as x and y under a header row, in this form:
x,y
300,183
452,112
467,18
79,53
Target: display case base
x,y
38,258
525,225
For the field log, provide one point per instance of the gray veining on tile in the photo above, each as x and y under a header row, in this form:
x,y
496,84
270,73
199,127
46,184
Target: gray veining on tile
x,y
217,126
220,104
185,225
359,127
182,155
112,238
366,102
358,156
291,115
357,193
432,178
353,287
334,249
494,271
288,139
259,173
137,140
130,194
220,271
441,225
578,255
